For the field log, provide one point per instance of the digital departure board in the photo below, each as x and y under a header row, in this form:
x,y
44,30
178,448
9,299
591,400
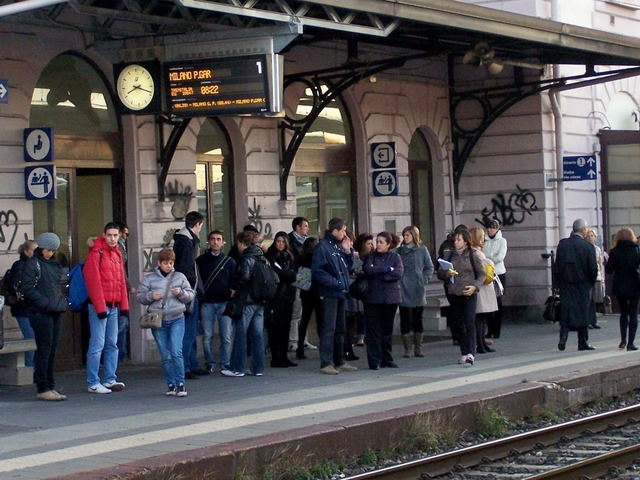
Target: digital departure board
x,y
221,86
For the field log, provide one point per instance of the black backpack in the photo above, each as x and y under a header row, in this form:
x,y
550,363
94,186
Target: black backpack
x,y
7,289
264,281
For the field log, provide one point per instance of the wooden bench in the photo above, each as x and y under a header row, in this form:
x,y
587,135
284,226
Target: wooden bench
x,y
13,371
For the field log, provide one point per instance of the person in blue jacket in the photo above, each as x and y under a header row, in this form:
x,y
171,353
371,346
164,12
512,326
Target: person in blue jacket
x,y
332,260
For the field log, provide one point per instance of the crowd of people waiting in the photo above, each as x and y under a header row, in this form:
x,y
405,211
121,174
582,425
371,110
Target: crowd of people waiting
x,y
194,290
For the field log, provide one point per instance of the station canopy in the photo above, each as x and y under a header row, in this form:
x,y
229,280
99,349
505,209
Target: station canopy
x,y
430,26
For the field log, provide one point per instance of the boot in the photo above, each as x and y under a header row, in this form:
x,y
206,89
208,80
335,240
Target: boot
x,y
417,341
632,337
407,343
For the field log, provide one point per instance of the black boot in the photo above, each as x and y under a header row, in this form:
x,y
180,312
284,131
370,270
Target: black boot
x,y
349,354
632,337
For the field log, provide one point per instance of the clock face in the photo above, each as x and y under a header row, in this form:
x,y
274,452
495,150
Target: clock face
x,y
136,87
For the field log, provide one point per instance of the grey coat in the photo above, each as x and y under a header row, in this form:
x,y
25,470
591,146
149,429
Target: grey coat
x,y
156,282
418,269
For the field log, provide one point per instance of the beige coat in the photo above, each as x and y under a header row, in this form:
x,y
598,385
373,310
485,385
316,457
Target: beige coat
x,y
487,301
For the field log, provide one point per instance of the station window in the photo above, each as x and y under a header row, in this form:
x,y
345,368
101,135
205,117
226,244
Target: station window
x,y
213,179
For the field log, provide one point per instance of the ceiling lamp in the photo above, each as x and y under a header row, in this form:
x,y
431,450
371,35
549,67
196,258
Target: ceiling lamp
x,y
483,54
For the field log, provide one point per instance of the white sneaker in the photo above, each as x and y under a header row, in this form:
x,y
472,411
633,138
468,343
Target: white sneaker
x,y
293,346
463,360
98,389
114,386
231,373
310,345
470,359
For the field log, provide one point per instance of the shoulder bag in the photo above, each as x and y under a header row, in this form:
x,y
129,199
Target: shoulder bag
x,y
153,320
360,287
303,279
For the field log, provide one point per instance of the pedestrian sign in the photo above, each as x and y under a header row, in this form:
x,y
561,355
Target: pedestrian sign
x,y
38,144
577,168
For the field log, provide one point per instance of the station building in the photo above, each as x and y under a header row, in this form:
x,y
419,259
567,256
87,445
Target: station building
x,y
384,113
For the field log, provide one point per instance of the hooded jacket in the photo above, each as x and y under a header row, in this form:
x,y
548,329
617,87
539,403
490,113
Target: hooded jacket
x,y
330,267
174,307
104,275
495,249
186,246
245,265
41,285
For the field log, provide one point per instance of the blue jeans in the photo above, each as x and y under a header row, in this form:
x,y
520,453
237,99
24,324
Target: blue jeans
x,y
123,330
209,312
189,348
28,334
252,322
169,340
103,341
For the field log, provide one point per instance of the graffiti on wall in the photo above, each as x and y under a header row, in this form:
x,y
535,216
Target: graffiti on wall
x,y
150,255
8,228
256,220
509,211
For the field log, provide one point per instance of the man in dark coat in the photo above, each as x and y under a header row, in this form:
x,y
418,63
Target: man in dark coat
x,y
575,274
332,261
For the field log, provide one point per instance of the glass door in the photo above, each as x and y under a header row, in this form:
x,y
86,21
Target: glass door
x,y
319,198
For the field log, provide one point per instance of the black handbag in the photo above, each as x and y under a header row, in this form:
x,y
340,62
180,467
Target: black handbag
x,y
234,307
552,309
359,288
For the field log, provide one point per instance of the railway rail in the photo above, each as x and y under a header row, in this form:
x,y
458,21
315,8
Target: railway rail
x,y
590,447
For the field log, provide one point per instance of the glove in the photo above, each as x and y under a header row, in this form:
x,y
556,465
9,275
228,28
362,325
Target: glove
x,y
387,268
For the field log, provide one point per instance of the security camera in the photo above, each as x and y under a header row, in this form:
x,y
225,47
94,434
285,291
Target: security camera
x,y
546,256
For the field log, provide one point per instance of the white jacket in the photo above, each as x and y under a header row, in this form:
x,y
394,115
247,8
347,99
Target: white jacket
x,y
495,249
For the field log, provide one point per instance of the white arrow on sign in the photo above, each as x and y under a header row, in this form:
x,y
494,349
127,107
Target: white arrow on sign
x,y
591,173
591,161
3,91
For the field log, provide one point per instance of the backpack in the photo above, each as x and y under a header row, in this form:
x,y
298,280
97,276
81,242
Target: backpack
x,y
7,289
264,281
78,293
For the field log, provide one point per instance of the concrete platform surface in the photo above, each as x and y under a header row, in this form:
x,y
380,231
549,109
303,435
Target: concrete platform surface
x,y
97,436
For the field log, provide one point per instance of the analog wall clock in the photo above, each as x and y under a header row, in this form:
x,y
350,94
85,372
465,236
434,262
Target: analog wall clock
x,y
138,87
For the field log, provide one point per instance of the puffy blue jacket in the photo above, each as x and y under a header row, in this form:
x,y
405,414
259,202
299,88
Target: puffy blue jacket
x,y
330,267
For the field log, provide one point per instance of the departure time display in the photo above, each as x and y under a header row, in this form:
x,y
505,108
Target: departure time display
x,y
217,86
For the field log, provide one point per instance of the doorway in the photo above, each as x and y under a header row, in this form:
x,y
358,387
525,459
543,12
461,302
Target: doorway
x,y
87,200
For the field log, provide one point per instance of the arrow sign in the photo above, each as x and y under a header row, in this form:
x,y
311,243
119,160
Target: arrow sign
x,y
4,90
383,155
577,168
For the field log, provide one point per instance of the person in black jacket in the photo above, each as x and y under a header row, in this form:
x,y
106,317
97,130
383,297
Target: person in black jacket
x,y
186,246
218,273
19,311
575,272
281,259
45,305
623,264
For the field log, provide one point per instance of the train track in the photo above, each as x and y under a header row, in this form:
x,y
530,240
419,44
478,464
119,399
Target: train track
x,y
586,448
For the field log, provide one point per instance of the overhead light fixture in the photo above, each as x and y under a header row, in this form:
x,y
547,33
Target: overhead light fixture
x,y
483,55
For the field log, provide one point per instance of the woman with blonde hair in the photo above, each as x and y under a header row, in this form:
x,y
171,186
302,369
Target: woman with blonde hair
x,y
599,287
623,264
487,301
418,269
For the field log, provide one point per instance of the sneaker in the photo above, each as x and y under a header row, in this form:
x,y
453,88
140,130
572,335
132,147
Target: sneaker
x,y
211,368
259,374
293,346
60,396
171,390
309,345
115,386
329,370
469,359
182,391
98,389
49,396
231,373
463,360
345,367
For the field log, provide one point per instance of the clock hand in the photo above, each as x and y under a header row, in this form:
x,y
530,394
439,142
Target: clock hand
x,y
135,87
144,90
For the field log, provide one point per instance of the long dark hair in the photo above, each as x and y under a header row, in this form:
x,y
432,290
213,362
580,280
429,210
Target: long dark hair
x,y
272,250
391,238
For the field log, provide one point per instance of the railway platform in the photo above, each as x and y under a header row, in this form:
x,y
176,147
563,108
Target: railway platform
x,y
226,421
